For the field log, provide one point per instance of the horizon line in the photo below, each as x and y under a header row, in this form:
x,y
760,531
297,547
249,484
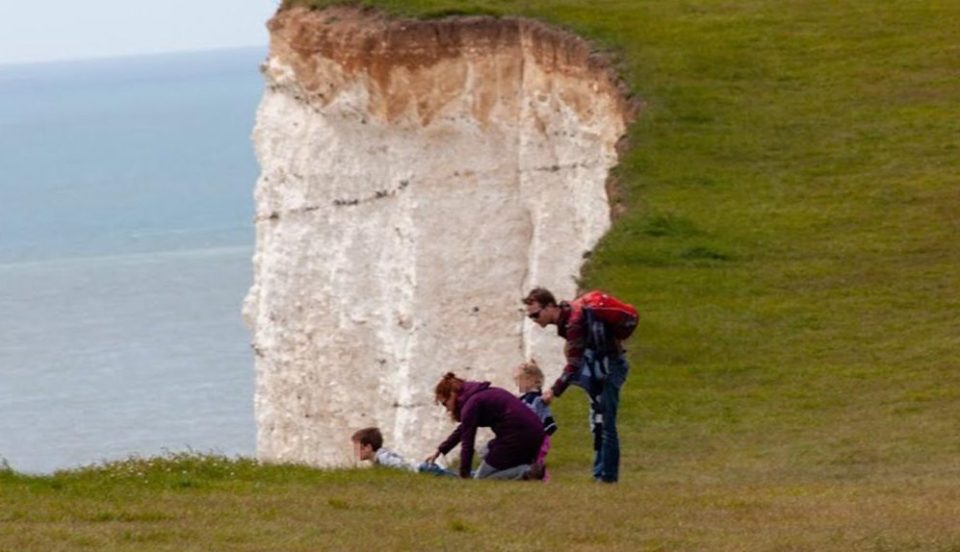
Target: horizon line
x,y
118,57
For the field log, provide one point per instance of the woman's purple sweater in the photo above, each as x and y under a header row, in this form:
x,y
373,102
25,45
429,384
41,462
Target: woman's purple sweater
x,y
519,431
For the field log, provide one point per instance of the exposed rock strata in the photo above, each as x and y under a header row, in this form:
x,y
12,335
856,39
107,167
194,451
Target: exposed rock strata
x,y
417,178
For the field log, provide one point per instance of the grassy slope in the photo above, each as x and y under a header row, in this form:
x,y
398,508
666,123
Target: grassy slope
x,y
791,236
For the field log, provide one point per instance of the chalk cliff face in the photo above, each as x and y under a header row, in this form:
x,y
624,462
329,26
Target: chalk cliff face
x,y
417,179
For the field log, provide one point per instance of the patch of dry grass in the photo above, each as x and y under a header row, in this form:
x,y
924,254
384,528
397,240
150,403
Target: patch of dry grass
x,y
292,509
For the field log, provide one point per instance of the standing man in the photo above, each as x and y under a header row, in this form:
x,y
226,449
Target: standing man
x,y
593,326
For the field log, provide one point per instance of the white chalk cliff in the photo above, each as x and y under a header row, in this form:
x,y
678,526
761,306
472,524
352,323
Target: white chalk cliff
x,y
418,177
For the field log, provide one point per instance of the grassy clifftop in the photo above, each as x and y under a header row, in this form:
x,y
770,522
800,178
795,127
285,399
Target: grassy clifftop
x,y
792,213
791,237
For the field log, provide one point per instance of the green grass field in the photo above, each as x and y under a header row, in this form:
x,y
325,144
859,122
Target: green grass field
x,y
792,237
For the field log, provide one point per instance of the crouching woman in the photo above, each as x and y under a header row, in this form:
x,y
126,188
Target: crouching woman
x,y
517,429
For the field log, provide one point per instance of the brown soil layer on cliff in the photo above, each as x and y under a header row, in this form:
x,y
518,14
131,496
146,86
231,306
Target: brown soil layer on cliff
x,y
368,41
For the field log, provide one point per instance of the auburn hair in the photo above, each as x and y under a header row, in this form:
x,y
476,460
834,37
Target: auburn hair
x,y
448,385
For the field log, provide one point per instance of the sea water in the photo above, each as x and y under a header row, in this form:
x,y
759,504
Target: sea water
x,y
125,252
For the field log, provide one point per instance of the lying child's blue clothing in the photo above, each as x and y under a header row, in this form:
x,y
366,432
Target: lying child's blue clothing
x,y
390,459
435,469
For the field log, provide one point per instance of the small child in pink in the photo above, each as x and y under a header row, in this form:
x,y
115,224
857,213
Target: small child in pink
x,y
529,379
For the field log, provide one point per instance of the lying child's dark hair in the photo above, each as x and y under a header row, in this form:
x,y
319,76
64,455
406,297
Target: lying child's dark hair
x,y
369,436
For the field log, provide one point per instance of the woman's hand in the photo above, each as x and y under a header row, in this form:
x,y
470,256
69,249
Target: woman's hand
x,y
432,459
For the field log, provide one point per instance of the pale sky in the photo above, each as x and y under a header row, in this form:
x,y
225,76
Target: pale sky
x,y
47,30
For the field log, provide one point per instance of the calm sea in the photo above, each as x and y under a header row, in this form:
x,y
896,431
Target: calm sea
x,y
125,245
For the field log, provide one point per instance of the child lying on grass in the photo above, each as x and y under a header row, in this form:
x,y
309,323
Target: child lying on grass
x,y
368,445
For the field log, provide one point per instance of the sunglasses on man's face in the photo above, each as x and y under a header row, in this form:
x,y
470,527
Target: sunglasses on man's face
x,y
535,315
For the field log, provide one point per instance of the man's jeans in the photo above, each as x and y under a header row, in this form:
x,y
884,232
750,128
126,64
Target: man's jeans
x,y
604,402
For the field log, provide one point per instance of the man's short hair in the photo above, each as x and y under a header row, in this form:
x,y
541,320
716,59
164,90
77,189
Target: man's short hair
x,y
541,296
369,436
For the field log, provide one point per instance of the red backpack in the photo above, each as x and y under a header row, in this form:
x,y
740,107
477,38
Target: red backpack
x,y
619,319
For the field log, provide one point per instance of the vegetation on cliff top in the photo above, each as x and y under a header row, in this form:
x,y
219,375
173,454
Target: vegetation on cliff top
x,y
792,213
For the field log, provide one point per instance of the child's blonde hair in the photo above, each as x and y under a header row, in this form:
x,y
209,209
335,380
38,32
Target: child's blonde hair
x,y
531,370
